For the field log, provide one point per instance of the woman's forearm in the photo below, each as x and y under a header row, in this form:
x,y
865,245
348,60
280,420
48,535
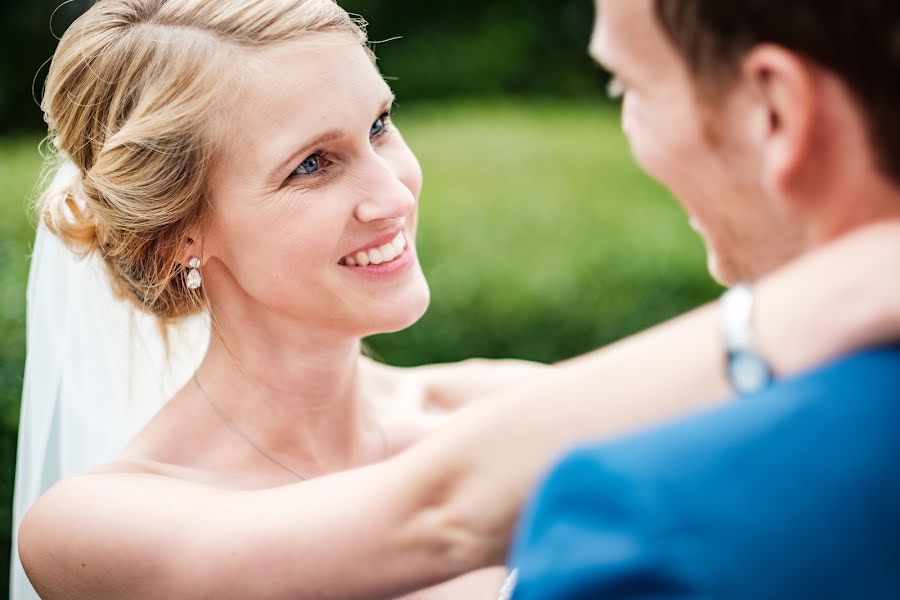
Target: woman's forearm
x,y
843,297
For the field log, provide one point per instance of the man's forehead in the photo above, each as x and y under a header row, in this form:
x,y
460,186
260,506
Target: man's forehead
x,y
623,31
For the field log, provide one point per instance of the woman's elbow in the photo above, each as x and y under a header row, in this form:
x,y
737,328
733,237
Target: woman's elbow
x,y
35,547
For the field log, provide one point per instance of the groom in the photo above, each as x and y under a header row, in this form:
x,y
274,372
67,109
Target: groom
x,y
777,125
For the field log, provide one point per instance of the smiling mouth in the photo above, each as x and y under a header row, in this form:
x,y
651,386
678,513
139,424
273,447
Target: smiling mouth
x,y
377,255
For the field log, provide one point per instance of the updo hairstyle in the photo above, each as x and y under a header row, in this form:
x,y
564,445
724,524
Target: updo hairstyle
x,y
134,100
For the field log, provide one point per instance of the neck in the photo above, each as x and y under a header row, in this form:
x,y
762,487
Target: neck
x,y
871,201
290,386
840,187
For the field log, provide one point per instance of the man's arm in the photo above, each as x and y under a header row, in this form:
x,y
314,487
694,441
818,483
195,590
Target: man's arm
x,y
787,494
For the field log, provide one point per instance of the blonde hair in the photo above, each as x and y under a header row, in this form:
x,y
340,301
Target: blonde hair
x,y
132,97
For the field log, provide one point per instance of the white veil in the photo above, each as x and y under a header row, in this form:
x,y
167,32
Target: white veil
x,y
96,370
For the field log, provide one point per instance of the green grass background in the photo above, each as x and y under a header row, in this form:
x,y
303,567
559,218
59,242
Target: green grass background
x,y
540,237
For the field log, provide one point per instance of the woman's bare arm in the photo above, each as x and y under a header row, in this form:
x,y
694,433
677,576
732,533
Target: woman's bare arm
x,y
446,506
137,535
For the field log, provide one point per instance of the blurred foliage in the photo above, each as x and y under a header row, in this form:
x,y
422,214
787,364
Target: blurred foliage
x,y
447,49
472,47
539,236
28,36
20,165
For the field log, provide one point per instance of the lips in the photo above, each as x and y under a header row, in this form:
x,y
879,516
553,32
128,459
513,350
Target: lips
x,y
377,254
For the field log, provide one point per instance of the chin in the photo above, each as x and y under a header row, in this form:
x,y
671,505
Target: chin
x,y
714,265
715,270
727,271
405,314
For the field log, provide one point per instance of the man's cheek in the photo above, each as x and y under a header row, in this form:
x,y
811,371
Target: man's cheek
x,y
650,155
647,146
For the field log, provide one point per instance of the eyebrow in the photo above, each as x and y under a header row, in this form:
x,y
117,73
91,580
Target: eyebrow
x,y
322,138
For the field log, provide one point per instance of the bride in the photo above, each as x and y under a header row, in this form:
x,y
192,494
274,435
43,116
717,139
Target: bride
x,y
237,159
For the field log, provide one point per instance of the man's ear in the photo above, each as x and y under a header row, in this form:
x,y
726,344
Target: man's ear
x,y
785,91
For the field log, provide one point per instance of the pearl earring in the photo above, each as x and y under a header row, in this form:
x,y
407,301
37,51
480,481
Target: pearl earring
x,y
193,277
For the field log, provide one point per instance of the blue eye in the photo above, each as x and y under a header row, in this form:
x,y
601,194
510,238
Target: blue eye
x,y
309,166
378,126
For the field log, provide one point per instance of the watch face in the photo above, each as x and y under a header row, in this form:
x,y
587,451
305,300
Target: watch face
x,y
749,372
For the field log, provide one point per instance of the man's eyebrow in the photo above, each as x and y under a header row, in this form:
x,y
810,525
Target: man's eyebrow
x,y
321,139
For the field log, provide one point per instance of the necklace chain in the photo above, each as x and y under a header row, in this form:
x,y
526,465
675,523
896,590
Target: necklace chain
x,y
234,427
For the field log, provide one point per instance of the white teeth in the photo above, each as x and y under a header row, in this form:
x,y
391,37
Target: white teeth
x,y
388,252
376,256
399,242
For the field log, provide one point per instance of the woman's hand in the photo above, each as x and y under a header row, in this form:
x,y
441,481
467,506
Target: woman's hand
x,y
453,385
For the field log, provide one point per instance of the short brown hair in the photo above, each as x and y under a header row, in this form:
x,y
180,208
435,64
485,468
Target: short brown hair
x,y
858,40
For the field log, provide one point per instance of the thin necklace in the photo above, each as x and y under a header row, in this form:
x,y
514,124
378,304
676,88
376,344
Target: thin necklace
x,y
233,426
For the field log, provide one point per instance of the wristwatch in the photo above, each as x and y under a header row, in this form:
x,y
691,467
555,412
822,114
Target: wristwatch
x,y
747,370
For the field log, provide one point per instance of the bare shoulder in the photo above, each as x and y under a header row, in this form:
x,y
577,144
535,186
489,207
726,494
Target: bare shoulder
x,y
117,527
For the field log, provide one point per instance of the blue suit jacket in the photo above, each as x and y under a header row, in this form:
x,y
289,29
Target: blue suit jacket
x,y
791,494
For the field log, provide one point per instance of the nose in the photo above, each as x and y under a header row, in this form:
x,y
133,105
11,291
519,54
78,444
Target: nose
x,y
384,194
